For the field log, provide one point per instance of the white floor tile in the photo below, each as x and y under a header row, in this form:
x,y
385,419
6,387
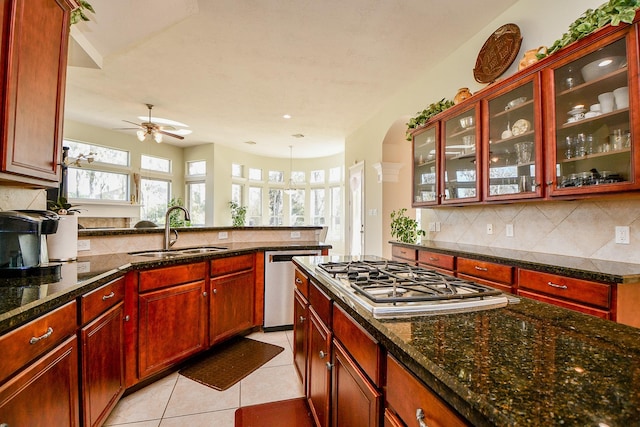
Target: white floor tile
x,y
208,419
191,397
269,385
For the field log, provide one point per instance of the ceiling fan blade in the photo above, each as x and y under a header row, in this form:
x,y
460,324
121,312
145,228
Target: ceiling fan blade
x,y
133,123
172,135
126,128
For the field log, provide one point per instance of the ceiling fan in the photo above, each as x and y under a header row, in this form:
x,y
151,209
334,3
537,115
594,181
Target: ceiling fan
x,y
150,128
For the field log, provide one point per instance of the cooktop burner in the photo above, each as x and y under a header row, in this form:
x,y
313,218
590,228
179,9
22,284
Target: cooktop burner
x,y
389,288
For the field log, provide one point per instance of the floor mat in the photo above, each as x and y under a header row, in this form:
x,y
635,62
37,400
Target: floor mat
x,y
230,362
286,413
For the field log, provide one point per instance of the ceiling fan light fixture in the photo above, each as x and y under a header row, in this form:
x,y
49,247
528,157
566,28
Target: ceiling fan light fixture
x,y
141,135
157,136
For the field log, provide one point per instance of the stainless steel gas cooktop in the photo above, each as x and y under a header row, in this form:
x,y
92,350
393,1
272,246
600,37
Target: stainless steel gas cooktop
x,y
396,289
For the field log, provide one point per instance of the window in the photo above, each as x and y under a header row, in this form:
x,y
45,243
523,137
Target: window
x,y
237,171
196,202
335,227
276,207
236,193
84,183
316,205
276,176
197,168
297,177
255,174
106,155
317,177
254,210
335,174
155,199
156,164
296,213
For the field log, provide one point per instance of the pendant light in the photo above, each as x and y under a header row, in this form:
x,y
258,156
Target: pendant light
x,y
289,188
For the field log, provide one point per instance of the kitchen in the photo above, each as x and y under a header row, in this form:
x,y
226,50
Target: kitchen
x,y
556,218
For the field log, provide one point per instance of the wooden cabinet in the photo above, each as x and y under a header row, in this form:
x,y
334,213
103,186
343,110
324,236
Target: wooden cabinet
x,y
232,297
172,316
499,276
102,355
46,392
440,262
426,187
400,253
512,142
33,50
300,336
581,295
412,402
39,374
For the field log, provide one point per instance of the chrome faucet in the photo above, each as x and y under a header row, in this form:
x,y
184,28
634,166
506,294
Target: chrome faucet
x,y
168,242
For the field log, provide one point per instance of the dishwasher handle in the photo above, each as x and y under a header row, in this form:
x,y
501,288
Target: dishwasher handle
x,y
287,257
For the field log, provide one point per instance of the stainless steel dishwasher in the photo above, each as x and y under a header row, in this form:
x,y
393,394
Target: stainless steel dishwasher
x,y
278,287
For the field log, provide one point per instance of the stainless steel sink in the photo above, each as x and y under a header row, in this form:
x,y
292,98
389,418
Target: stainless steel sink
x,y
171,253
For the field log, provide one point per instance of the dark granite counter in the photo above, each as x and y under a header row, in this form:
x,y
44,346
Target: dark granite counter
x,y
528,364
24,299
579,268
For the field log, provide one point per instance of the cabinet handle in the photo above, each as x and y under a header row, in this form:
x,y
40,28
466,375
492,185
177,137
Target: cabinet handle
x,y
47,334
555,285
549,183
535,185
322,354
106,297
432,258
302,319
204,294
215,291
329,366
298,281
420,417
481,268
127,318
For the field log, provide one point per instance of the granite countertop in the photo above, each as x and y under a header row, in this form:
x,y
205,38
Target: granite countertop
x,y
24,299
529,363
576,267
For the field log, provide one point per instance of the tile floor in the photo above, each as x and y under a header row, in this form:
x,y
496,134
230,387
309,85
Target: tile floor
x,y
178,401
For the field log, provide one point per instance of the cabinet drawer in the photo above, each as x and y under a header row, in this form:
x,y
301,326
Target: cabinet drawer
x,y
222,266
302,283
486,270
584,291
437,260
361,346
406,395
169,276
321,304
101,299
403,253
36,337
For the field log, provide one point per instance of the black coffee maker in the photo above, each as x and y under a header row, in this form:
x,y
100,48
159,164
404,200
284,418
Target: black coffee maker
x,y
23,248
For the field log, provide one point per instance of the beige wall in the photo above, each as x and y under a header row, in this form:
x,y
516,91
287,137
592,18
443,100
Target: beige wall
x,y
541,23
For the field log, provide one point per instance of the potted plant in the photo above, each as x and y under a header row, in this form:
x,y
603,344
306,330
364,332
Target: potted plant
x,y
405,229
78,14
238,214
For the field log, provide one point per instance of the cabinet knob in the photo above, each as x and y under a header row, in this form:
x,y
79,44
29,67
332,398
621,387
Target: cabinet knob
x,y
420,417
535,185
298,281
127,318
204,294
106,297
329,366
46,335
302,319
549,183
215,291
322,354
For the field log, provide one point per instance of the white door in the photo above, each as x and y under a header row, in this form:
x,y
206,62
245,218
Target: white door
x,y
356,209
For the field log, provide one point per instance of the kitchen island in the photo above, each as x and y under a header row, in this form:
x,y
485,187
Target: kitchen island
x,y
529,363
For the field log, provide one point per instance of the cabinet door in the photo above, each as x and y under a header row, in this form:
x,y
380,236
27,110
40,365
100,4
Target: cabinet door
x,y
171,326
356,402
102,365
512,154
425,167
46,393
319,374
300,335
459,155
34,83
232,302
592,113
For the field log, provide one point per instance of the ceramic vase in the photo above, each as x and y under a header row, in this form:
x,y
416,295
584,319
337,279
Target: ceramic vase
x,y
463,93
63,245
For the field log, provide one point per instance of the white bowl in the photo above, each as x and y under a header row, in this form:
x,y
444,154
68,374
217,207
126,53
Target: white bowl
x,y
621,96
601,67
595,108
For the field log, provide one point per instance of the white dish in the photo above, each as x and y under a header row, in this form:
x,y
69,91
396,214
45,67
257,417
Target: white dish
x,y
601,67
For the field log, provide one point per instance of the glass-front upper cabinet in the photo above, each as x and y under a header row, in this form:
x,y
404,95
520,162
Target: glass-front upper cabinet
x,y
512,152
594,134
459,154
425,166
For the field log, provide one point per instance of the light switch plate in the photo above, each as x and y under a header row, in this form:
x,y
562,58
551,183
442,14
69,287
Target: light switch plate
x,y
84,245
622,235
489,228
295,234
223,235
509,230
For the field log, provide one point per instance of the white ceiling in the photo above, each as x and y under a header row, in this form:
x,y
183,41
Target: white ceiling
x,y
230,69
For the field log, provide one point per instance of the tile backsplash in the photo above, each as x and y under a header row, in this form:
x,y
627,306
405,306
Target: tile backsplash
x,y
573,228
20,198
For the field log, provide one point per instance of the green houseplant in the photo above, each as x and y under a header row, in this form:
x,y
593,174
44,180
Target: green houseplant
x,y
78,14
403,228
423,116
238,214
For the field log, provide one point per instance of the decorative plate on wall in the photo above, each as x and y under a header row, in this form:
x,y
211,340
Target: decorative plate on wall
x,y
497,53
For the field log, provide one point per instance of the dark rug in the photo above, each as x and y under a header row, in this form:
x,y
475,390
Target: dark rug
x,y
230,362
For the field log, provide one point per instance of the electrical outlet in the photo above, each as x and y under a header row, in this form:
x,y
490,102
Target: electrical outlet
x,y
432,226
84,245
83,267
509,230
295,234
223,235
622,234
489,228
437,226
